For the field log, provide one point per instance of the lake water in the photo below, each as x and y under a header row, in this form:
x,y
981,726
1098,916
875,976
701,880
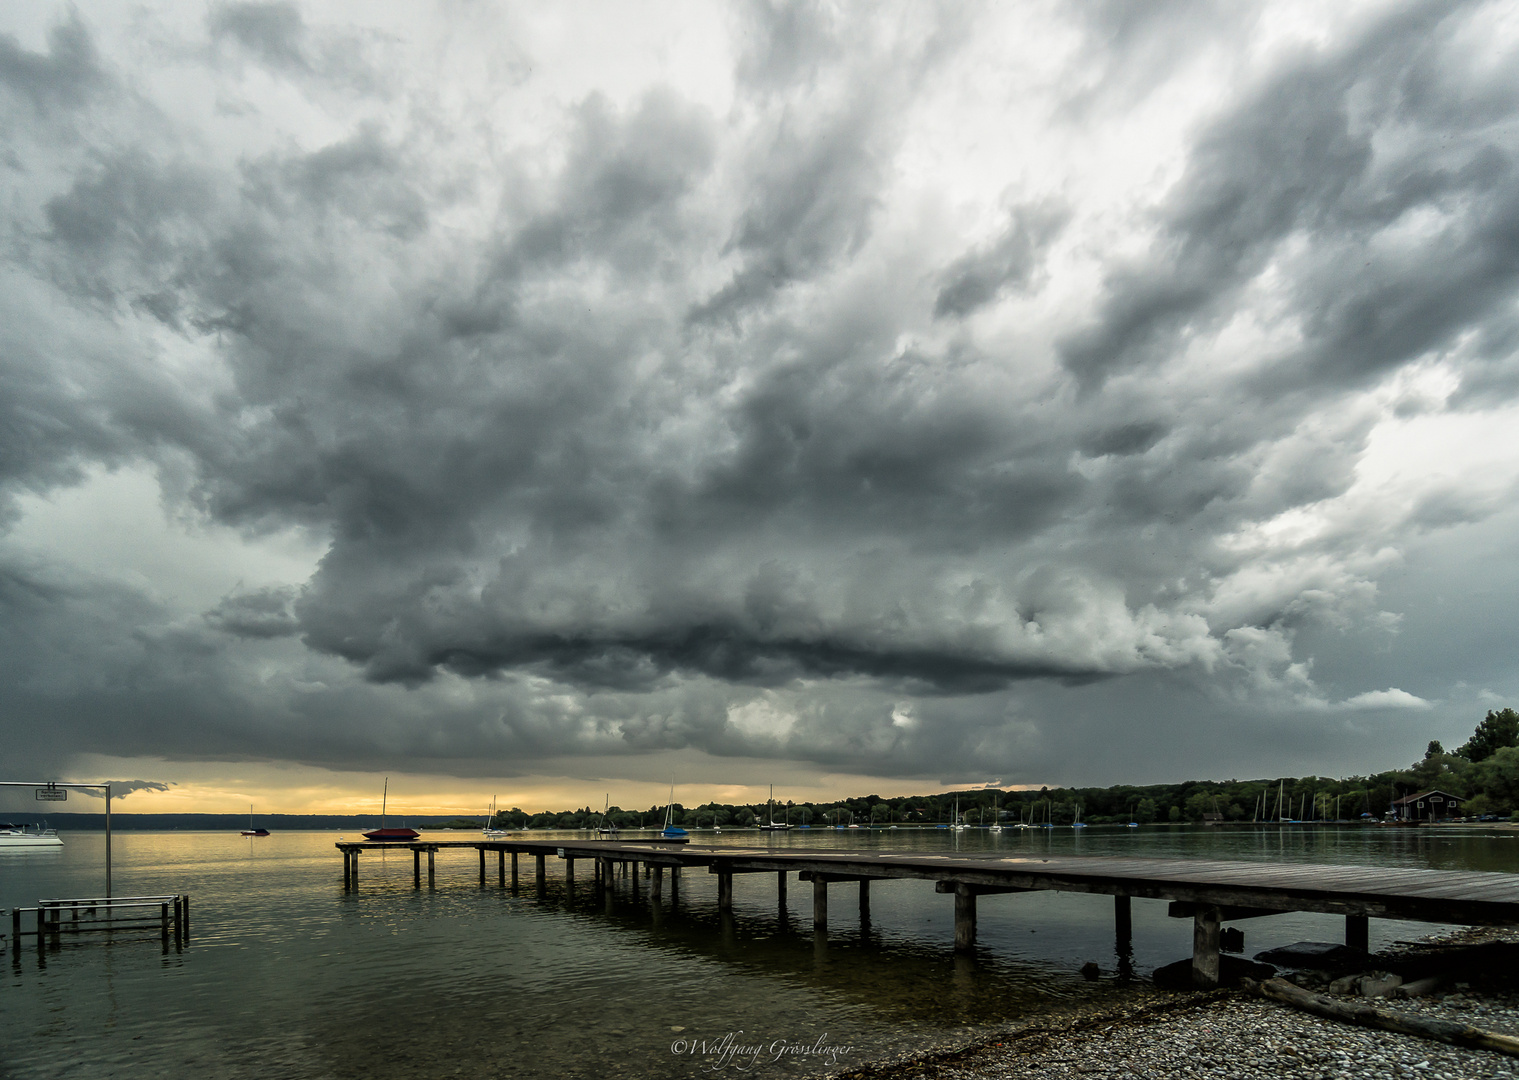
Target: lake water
x,y
288,976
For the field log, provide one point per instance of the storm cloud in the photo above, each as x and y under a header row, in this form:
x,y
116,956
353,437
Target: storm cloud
x,y
847,389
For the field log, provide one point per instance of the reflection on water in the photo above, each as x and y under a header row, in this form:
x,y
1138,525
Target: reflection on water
x,y
289,976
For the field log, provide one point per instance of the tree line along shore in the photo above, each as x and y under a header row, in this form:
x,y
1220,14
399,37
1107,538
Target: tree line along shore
x,y
1484,771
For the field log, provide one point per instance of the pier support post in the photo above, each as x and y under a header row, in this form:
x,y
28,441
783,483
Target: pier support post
x,y
865,901
1358,932
819,904
432,868
416,868
659,882
501,867
543,875
569,874
1205,926
514,872
725,890
482,867
780,889
355,871
965,918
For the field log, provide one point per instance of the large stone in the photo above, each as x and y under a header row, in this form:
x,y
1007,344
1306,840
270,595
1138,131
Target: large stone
x,y
1318,956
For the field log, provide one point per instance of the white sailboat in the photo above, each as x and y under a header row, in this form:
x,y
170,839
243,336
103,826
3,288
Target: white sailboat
x,y
492,833
771,825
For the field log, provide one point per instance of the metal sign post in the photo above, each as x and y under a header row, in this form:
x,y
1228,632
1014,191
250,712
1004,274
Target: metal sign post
x,y
57,791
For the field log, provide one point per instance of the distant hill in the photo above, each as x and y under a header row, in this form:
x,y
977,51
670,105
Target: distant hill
x,y
219,822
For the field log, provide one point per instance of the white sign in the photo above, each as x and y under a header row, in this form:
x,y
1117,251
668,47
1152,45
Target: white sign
x,y
52,794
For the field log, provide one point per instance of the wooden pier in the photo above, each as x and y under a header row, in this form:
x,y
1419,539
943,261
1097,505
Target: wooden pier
x,y
1208,891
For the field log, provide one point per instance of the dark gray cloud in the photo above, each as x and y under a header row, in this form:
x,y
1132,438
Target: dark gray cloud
x,y
641,424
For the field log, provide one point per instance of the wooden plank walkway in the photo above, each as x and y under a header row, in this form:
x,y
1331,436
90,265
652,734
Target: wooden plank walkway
x,y
1210,891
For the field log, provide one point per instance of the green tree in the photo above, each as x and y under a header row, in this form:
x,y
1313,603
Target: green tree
x,y
1145,811
1498,730
1497,777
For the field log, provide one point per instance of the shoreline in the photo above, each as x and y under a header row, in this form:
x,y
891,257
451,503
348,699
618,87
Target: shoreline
x,y
1229,1034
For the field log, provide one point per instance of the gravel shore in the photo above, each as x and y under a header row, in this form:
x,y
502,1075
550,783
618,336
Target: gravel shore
x,y
1233,1036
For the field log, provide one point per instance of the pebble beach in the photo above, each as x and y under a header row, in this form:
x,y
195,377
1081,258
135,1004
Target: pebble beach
x,y
1232,1035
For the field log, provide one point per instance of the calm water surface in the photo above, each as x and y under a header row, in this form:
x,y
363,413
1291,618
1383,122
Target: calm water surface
x,y
287,976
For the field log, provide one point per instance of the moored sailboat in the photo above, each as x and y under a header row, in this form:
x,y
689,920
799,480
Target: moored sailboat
x,y
250,830
385,835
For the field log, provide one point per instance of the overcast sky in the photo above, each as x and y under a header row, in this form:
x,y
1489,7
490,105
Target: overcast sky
x,y
554,399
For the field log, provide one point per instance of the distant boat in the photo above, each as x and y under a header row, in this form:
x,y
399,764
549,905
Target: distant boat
x,y
250,830
671,831
772,825
958,825
385,835
28,836
606,826
996,815
491,833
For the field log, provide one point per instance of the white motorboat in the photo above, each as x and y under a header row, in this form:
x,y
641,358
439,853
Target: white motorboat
x,y
28,836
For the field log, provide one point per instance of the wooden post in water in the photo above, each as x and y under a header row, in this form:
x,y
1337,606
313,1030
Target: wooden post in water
x,y
163,923
1205,927
725,890
501,867
416,868
482,866
780,889
965,918
819,903
1358,932
184,910
432,880
658,885
569,873
543,882
514,872
1123,922
864,900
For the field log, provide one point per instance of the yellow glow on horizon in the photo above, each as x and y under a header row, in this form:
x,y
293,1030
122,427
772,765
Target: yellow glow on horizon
x,y
232,787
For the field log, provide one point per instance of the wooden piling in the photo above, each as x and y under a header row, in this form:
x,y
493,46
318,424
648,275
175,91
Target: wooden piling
x,y
432,879
416,868
514,872
724,890
965,918
819,903
864,900
1205,926
658,885
780,887
482,866
569,873
1358,932
543,880
1123,921
501,867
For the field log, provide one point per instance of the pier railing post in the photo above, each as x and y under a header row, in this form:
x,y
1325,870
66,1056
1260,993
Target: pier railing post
x,y
965,918
1205,927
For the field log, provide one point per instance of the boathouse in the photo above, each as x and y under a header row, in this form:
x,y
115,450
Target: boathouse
x,y
1431,805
